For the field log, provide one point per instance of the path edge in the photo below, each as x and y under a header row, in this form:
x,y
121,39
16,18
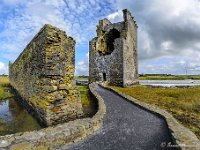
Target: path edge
x,y
182,136
53,137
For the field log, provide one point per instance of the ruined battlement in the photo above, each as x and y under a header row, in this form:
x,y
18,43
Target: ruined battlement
x,y
113,53
43,75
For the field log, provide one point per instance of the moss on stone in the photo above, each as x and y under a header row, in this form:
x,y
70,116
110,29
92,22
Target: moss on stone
x,y
21,147
46,63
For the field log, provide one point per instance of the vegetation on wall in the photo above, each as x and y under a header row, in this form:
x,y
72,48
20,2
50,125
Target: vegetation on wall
x,y
89,105
4,88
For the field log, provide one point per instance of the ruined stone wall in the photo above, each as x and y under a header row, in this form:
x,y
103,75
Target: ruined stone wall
x,y
43,75
113,53
130,64
55,137
103,64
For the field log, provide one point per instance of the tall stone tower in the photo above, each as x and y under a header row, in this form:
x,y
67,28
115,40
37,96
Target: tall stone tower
x,y
113,53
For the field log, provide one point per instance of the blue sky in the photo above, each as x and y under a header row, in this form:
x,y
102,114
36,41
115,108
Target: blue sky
x,y
168,33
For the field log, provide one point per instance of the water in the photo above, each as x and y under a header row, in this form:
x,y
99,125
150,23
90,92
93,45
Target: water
x,y
90,109
14,118
170,83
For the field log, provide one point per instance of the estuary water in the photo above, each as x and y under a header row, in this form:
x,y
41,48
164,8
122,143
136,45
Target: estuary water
x,y
14,118
170,83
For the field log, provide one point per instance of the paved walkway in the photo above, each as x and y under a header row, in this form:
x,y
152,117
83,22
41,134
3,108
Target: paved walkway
x,y
126,127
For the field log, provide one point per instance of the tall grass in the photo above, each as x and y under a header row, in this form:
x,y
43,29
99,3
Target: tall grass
x,y
83,89
88,103
4,81
182,103
4,88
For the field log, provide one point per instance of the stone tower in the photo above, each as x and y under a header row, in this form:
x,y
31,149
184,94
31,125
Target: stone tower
x,y
113,53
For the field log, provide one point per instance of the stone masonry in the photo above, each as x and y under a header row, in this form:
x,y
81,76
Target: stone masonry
x,y
113,53
43,76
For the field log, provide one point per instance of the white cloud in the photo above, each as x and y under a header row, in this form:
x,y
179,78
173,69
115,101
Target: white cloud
x,y
82,67
27,17
116,16
3,68
168,30
12,2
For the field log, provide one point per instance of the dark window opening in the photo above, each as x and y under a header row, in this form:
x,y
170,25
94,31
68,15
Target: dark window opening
x,y
110,38
104,76
102,42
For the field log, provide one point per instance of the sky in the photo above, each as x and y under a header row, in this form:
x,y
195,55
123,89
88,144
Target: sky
x,y
168,31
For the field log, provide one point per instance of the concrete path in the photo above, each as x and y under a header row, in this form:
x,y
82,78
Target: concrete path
x,y
126,127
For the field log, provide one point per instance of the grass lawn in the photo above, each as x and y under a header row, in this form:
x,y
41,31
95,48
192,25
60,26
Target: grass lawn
x,y
83,89
89,106
182,103
85,78
4,87
169,77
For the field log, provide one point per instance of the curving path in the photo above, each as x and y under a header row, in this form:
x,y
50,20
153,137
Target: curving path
x,y
125,127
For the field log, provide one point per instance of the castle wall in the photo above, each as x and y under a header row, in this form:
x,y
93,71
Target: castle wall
x,y
113,53
43,75
100,64
130,65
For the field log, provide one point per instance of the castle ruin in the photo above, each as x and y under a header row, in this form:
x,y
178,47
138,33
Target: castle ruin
x,y
43,76
113,53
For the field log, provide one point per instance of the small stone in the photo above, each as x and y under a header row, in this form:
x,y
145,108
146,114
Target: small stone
x,y
63,87
4,143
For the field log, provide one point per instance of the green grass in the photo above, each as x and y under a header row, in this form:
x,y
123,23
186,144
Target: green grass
x,y
169,77
83,89
182,103
81,78
89,106
4,87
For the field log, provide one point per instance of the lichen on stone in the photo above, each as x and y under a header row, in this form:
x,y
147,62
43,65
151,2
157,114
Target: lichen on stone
x,y
43,75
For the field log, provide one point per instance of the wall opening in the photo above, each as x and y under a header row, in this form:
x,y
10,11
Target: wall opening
x,y
110,38
104,77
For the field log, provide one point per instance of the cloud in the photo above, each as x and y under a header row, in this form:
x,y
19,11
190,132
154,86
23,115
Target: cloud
x,y
25,19
166,29
12,2
3,68
116,16
82,67
21,20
